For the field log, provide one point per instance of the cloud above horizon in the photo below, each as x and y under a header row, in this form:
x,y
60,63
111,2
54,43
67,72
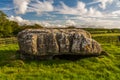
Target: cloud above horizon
x,y
97,12
103,3
21,6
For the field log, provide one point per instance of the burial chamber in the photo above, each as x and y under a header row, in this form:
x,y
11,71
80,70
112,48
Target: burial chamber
x,y
45,42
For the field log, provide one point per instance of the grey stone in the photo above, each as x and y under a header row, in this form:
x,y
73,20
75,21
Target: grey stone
x,y
57,41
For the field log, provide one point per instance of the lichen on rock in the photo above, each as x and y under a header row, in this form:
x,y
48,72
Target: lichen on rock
x,y
57,41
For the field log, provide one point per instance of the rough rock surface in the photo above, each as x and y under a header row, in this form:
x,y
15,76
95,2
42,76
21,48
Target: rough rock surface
x,y
57,41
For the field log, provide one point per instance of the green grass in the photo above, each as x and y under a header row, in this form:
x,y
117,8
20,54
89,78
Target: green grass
x,y
93,68
107,34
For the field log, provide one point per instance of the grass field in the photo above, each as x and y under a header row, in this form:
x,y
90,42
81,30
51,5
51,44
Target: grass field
x,y
93,68
107,34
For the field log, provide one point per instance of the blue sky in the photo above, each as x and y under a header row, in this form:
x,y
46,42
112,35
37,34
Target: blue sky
x,y
87,13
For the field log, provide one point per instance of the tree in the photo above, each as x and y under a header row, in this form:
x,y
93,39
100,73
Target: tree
x,y
7,27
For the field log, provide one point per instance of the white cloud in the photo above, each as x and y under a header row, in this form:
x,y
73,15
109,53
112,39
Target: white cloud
x,y
92,12
64,9
116,13
104,23
77,10
118,3
40,7
95,22
47,6
21,6
88,21
87,15
70,23
94,2
102,3
80,9
6,9
20,20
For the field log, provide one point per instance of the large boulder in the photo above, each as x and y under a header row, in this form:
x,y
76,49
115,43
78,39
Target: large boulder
x,y
57,41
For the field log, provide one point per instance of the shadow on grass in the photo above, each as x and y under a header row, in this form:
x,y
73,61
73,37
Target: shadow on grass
x,y
12,58
58,59
7,54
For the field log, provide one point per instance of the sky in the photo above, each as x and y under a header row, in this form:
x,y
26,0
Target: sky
x,y
60,13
